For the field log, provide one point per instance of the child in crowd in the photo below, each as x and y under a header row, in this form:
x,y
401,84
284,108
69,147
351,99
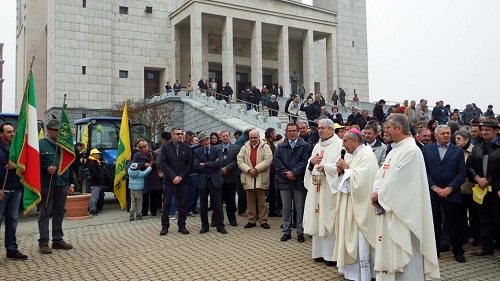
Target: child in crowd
x,y
136,173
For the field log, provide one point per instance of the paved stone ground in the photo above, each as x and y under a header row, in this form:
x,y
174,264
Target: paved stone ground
x,y
109,247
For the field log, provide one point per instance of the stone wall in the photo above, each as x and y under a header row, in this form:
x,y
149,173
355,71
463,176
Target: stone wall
x,y
104,41
352,50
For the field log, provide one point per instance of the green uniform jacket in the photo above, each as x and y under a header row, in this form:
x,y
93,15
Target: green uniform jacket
x,y
47,154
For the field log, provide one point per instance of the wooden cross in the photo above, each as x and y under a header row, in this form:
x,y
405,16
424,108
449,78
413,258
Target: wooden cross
x,y
317,209
386,167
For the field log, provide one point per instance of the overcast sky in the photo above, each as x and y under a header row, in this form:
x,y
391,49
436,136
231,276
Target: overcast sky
x,y
438,50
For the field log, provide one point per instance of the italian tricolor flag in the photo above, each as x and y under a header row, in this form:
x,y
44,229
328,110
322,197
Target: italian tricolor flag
x,y
24,150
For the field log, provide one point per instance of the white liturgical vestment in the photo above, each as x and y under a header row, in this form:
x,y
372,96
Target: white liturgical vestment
x,y
356,222
405,246
321,200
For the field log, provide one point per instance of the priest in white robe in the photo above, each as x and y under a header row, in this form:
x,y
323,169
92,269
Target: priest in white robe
x,y
321,199
405,247
355,222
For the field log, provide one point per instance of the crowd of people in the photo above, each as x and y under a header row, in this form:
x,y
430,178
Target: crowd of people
x,y
345,183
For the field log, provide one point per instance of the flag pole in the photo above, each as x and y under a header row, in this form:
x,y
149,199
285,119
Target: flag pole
x,y
53,164
26,88
29,73
5,179
24,97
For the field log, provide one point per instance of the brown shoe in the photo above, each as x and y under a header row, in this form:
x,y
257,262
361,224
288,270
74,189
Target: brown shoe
x,y
243,214
61,245
45,249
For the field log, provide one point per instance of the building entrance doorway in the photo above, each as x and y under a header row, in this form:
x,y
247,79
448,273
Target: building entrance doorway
x,y
151,83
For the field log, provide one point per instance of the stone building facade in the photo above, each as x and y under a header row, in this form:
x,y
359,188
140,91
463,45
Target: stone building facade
x,y
100,53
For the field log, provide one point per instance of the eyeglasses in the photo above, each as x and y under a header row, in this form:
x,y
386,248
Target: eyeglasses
x,y
178,134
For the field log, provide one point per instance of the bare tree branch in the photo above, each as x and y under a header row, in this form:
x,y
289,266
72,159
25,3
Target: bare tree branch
x,y
156,116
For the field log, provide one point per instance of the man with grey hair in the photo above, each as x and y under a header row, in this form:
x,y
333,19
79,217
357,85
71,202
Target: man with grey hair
x,y
273,106
254,160
355,115
355,221
321,199
405,248
423,138
377,146
445,167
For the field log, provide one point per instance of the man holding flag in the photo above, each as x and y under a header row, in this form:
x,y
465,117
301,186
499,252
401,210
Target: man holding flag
x,y
24,146
10,194
55,188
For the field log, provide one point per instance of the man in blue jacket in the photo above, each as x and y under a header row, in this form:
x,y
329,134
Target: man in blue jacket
x,y
10,195
290,161
445,167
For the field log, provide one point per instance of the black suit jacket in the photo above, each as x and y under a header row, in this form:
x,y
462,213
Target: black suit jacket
x,y
211,168
231,163
173,164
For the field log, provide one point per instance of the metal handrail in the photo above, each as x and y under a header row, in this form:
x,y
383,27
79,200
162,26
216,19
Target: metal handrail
x,y
215,94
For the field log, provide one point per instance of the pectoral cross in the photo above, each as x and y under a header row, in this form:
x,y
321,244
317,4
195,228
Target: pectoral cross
x,y
317,209
386,167
318,187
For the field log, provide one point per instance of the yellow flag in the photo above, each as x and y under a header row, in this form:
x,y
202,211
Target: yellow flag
x,y
124,154
85,137
41,135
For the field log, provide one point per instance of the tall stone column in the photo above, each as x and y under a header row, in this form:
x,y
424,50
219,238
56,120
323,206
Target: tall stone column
x,y
331,63
256,58
196,47
228,74
308,57
175,67
283,61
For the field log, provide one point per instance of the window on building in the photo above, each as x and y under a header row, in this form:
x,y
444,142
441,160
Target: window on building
x,y
84,70
84,3
352,43
123,74
123,10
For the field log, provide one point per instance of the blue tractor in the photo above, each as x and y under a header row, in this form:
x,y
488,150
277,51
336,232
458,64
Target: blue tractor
x,y
102,133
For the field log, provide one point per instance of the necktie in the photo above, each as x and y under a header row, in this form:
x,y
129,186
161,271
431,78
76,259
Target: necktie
x,y
292,144
207,154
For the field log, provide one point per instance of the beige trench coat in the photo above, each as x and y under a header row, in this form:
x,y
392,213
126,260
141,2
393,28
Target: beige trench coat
x,y
264,160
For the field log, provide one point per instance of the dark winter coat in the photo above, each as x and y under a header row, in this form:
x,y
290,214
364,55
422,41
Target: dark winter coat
x,y
294,160
152,181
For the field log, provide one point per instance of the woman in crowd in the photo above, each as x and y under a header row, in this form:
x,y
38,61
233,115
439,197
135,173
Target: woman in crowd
x,y
336,116
152,192
214,139
471,225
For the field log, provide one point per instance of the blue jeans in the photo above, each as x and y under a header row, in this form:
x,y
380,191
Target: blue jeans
x,y
298,196
9,207
56,204
249,106
95,190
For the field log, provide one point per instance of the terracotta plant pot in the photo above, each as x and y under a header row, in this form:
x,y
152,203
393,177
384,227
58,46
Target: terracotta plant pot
x,y
77,206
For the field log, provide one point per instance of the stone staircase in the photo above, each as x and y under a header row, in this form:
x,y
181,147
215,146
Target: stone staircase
x,y
236,114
